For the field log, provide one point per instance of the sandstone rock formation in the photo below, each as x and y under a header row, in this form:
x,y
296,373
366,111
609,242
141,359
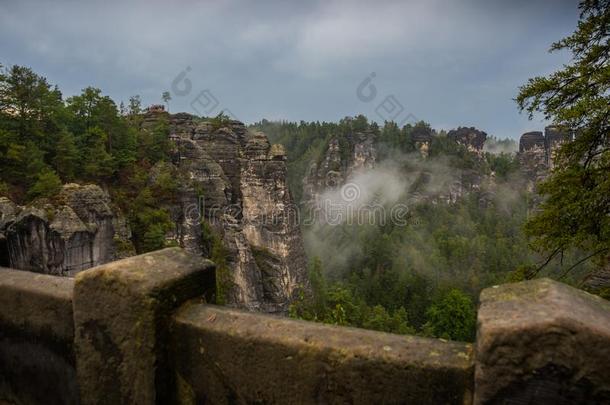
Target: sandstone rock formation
x,y
532,157
8,211
536,151
347,155
554,136
357,152
76,230
472,138
236,181
422,137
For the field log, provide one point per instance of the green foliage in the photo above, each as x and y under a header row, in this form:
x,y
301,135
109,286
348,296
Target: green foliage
x,y
208,237
604,293
338,304
165,186
47,185
502,164
157,223
97,162
149,223
224,280
379,319
123,247
576,211
135,106
220,121
376,275
318,286
521,273
453,317
4,189
214,248
29,106
67,156
166,96
45,140
155,146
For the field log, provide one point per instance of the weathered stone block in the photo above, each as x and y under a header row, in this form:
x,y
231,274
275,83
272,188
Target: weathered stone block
x,y
542,342
228,356
36,335
37,303
121,312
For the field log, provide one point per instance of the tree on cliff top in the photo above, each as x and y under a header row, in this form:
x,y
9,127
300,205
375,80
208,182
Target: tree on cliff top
x,y
166,96
576,211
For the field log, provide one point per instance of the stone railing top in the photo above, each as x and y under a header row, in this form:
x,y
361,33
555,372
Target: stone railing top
x,y
542,341
423,352
37,303
221,351
543,302
149,272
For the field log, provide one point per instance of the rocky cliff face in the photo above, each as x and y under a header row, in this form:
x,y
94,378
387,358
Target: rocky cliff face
x,y
537,151
8,212
532,156
554,136
76,230
358,152
472,138
340,160
228,177
422,138
236,181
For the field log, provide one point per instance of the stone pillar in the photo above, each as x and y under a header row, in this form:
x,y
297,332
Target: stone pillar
x,y
542,342
121,317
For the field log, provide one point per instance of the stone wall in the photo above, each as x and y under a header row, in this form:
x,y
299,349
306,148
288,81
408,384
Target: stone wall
x,y
37,362
223,355
142,330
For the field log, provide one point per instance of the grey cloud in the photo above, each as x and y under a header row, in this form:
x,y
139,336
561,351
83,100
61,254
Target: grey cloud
x,y
450,63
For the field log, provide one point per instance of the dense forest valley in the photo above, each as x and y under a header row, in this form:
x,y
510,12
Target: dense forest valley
x,y
464,199
467,200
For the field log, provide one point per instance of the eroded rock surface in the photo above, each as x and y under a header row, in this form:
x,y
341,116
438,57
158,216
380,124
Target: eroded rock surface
x,y
235,181
8,212
472,138
537,151
341,159
422,136
76,230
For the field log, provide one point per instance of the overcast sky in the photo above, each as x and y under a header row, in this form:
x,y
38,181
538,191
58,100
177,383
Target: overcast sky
x,y
449,62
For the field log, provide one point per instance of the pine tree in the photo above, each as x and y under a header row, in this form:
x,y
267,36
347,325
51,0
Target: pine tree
x,y
576,211
67,157
48,184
